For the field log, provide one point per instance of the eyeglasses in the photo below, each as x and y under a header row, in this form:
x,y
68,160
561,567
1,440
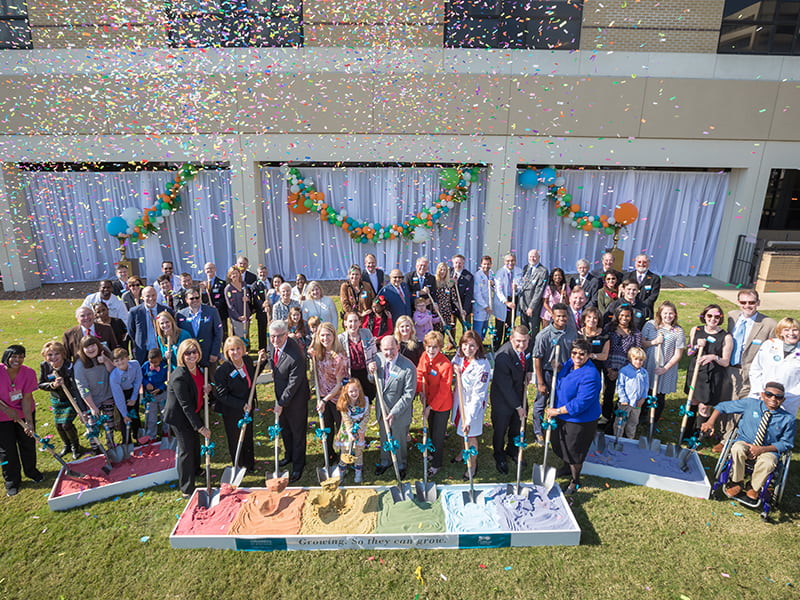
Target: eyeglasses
x,y
748,302
710,316
776,396
190,352
134,285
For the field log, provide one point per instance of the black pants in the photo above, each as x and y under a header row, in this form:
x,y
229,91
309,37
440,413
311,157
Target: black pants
x,y
230,419
332,418
506,428
502,327
261,321
188,459
534,321
437,427
609,389
17,453
293,422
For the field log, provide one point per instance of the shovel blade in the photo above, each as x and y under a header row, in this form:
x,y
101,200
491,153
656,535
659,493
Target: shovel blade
x,y
276,475
655,446
683,459
169,443
600,442
115,454
670,451
324,473
544,476
128,450
206,499
426,492
233,476
469,496
643,444
400,492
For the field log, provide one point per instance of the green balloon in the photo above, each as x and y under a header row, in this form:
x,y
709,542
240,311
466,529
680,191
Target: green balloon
x,y
608,230
567,198
139,222
596,224
449,178
164,206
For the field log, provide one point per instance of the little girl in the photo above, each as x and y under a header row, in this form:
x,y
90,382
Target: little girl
x,y
379,321
423,319
297,326
354,407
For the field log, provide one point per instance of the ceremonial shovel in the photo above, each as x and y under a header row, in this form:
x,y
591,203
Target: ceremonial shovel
x,y
209,497
542,474
233,475
426,491
520,443
91,431
401,491
467,451
645,443
325,472
672,449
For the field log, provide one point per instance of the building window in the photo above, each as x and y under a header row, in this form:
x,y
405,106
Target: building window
x,y
15,31
522,24
766,27
234,23
782,201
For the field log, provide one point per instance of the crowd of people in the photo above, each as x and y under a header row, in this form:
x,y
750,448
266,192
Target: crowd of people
x,y
599,346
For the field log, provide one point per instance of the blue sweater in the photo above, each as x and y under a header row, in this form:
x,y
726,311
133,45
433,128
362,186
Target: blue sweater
x,y
579,391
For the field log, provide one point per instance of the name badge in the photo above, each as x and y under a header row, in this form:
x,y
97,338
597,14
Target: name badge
x,y
756,415
234,374
595,342
16,397
638,314
757,342
648,287
434,372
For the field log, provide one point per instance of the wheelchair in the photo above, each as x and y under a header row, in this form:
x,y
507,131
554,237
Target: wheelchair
x,y
770,495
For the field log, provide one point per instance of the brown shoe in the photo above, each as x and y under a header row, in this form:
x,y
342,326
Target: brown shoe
x,y
752,494
733,489
718,448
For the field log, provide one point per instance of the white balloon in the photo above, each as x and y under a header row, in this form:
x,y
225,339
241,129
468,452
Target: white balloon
x,y
343,212
466,176
450,204
611,220
560,181
294,189
421,235
434,210
165,212
129,230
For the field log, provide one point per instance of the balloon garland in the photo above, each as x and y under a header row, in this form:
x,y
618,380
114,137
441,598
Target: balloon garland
x,y
304,198
550,185
136,225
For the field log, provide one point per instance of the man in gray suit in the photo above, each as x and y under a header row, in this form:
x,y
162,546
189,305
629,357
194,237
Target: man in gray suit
x,y
398,378
531,288
749,329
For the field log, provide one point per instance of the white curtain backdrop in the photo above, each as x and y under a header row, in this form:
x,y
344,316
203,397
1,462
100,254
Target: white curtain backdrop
x,y
305,244
69,213
678,225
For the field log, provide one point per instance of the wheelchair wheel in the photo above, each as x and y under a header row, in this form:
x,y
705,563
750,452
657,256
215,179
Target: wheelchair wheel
x,y
780,485
723,456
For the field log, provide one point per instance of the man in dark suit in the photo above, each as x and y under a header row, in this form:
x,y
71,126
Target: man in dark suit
x,y
87,326
421,282
213,293
398,379
242,263
588,282
397,295
292,395
607,266
204,325
120,285
372,273
512,373
649,282
465,286
531,290
141,324
259,304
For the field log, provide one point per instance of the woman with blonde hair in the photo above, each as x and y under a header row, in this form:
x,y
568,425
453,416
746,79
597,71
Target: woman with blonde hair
x,y
406,334
55,376
319,305
185,399
169,336
330,363
778,360
446,300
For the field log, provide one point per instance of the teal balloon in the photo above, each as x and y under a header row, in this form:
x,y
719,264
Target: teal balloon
x,y
548,175
449,178
528,179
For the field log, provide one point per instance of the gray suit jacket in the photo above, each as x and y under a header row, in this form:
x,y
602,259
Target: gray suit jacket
x,y
400,389
762,330
532,287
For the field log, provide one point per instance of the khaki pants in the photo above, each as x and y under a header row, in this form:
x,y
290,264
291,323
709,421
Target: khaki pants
x,y
765,464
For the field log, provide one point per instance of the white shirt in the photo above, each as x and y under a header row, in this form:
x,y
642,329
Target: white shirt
x,y
116,307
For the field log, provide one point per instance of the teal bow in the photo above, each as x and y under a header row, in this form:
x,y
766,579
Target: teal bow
x,y
92,431
519,441
321,432
466,326
427,446
209,449
391,445
692,442
147,399
273,431
46,445
356,428
245,420
492,331
651,402
549,424
685,412
102,419
133,414
468,453
621,415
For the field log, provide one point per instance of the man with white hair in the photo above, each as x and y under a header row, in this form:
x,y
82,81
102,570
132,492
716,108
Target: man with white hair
x,y
86,326
649,282
588,282
421,282
531,289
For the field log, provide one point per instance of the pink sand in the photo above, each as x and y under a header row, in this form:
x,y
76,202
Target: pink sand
x,y
197,520
146,459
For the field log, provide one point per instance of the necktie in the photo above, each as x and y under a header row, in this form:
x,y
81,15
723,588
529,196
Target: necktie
x,y
522,360
400,292
275,356
762,428
508,283
738,339
641,278
386,370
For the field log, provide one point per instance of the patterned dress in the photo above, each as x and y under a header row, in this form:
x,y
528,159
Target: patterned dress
x,y
674,339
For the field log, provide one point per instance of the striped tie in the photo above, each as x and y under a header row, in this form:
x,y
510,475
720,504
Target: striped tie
x,y
762,429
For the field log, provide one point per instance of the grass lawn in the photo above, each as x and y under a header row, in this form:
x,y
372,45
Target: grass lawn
x,y
636,542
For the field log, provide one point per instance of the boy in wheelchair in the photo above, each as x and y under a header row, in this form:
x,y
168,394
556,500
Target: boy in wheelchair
x,y
765,431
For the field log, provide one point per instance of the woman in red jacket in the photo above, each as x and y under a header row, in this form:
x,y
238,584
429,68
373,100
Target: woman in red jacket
x,y
435,384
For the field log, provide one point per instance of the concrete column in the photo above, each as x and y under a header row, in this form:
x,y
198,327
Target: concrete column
x,y
248,235
18,263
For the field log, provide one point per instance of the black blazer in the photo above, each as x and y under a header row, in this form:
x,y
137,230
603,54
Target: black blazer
x,y
379,273
590,286
508,380
415,285
466,286
289,376
180,410
217,293
231,388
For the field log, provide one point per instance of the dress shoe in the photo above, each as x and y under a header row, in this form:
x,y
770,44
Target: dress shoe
x,y
36,477
717,449
380,469
570,489
402,474
77,452
12,491
66,450
733,489
502,467
284,461
295,476
540,440
752,495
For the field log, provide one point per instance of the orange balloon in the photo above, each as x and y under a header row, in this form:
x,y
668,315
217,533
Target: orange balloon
x,y
292,198
625,213
575,207
298,208
587,226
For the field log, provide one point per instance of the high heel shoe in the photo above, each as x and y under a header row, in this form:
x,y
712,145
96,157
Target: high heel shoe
x,y
474,474
456,459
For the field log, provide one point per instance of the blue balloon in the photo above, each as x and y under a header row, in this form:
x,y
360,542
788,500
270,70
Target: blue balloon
x,y
548,175
116,226
528,179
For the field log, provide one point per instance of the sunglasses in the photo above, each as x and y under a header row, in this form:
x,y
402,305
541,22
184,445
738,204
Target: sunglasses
x,y
578,353
776,396
134,285
710,316
748,302
190,352
193,298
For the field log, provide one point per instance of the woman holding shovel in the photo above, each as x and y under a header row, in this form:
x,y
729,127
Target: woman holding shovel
x,y
664,331
577,409
435,382
185,394
233,381
332,371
